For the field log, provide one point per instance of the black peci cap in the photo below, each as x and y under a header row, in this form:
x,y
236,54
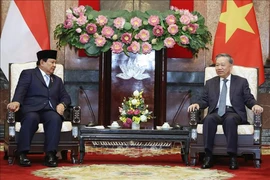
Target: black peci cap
x,y
45,54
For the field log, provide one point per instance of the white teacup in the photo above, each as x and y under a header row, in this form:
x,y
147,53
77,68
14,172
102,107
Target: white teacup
x,y
115,124
166,125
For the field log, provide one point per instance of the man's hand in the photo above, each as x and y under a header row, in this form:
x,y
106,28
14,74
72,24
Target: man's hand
x,y
257,109
13,106
60,108
193,107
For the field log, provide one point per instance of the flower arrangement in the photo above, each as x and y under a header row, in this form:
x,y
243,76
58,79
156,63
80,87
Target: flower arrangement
x,y
134,110
136,32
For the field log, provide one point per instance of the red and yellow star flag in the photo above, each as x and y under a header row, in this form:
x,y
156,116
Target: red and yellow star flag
x,y
238,35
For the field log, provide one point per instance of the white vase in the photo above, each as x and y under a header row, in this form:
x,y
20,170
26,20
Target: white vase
x,y
135,126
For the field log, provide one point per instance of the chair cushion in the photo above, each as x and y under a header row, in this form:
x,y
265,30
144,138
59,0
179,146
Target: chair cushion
x,y
66,126
242,129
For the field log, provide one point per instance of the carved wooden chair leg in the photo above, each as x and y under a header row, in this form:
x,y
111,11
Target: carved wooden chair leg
x,y
74,157
64,154
192,161
11,160
257,163
5,155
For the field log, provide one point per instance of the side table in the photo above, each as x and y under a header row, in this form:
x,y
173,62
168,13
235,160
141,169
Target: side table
x,y
148,135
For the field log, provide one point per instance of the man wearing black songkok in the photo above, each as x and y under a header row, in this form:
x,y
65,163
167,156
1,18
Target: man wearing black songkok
x,y
39,101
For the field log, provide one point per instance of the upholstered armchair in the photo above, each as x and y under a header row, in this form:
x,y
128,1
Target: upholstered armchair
x,y
69,132
249,135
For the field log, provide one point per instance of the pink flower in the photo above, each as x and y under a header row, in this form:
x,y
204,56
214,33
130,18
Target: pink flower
x,y
126,38
169,42
153,20
184,28
102,20
158,31
84,38
184,39
81,20
68,24
69,14
107,31
136,22
119,22
146,48
136,36
170,19
136,112
91,28
173,29
79,10
100,41
185,19
144,35
185,12
192,28
194,18
130,112
78,30
134,47
127,123
117,47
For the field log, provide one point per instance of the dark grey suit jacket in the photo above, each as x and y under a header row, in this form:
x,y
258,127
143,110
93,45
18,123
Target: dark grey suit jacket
x,y
240,96
33,94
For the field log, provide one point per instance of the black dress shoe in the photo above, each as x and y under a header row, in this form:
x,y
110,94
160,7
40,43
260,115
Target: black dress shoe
x,y
207,163
233,163
50,160
24,161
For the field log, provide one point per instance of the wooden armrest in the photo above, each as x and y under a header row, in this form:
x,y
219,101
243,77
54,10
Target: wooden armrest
x,y
194,118
257,128
257,120
11,117
73,113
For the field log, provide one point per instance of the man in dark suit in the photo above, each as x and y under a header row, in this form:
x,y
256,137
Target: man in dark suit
x,y
41,98
236,97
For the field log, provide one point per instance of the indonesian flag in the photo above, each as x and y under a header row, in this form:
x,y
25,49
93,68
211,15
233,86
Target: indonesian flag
x,y
238,35
25,32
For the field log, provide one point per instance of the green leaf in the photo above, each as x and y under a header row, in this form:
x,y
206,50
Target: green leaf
x,y
127,26
91,48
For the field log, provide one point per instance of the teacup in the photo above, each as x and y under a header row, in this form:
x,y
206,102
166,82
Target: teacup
x,y
114,124
166,125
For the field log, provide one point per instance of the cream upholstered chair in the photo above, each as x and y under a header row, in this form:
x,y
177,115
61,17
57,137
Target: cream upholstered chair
x,y
69,131
249,136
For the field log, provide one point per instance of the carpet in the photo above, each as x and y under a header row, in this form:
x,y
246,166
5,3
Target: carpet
x,y
133,163
134,172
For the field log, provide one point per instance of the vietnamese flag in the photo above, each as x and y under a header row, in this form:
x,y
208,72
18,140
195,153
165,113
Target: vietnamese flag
x,y
238,35
25,32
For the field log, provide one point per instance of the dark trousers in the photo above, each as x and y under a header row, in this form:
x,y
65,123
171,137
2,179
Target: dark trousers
x,y
230,121
52,123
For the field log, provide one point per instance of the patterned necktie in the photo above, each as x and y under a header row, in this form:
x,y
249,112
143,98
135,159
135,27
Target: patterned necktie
x,y
47,80
222,99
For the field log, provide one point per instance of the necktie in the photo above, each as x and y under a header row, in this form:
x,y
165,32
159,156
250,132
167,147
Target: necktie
x,y
222,99
47,79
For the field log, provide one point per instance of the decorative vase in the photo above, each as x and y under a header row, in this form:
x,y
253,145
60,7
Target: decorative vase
x,y
135,126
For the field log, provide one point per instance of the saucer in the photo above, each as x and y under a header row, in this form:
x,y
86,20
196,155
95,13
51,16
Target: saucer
x,y
167,128
114,127
161,128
